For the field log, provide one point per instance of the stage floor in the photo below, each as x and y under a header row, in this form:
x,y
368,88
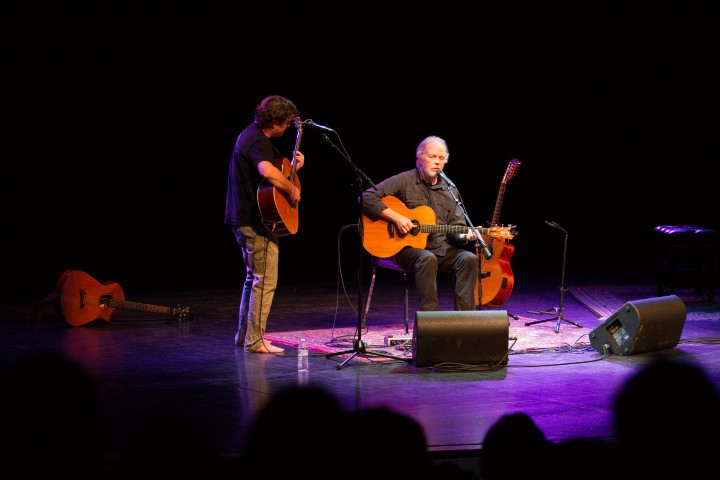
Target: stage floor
x,y
148,362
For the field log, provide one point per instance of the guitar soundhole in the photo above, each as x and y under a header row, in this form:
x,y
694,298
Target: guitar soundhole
x,y
415,229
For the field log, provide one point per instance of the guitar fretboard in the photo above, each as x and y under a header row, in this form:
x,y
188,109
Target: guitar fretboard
x,y
143,307
430,228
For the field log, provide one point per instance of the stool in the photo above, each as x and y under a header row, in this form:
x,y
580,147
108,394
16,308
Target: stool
x,y
387,263
691,249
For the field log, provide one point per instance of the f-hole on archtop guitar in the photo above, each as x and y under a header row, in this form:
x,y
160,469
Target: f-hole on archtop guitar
x,y
278,214
496,276
81,299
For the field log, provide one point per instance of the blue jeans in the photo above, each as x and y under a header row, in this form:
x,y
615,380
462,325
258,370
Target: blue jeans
x,y
261,254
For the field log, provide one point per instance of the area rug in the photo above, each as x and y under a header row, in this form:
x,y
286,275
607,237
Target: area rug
x,y
601,300
604,300
522,339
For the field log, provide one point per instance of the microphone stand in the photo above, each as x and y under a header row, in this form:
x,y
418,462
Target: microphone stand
x,y
359,347
559,309
479,238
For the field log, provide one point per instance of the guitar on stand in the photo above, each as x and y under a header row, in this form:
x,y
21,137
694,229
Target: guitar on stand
x,y
496,277
278,214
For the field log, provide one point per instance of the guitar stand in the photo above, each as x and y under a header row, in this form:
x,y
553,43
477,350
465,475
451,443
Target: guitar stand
x,y
499,307
559,309
491,305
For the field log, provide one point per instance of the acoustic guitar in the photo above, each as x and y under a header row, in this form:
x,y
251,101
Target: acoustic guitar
x,y
381,240
496,276
278,214
82,299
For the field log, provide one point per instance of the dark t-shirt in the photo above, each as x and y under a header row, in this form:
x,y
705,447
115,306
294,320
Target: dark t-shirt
x,y
251,147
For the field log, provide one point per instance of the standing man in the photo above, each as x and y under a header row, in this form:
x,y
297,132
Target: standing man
x,y
256,161
444,252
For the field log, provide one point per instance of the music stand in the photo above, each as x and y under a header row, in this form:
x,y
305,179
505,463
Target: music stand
x,y
359,347
559,309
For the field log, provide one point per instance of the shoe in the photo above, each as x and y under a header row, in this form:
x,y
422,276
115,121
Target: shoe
x,y
267,347
237,339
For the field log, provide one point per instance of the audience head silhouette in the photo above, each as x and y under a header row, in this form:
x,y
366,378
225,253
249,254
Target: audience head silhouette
x,y
666,417
512,437
300,432
385,440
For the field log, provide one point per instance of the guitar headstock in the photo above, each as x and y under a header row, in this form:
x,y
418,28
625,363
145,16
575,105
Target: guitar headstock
x,y
511,169
298,123
184,312
503,233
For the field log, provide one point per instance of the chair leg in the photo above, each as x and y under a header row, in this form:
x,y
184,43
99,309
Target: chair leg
x,y
406,281
367,302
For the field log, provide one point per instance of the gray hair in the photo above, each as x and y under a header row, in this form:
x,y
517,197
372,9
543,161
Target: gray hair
x,y
432,139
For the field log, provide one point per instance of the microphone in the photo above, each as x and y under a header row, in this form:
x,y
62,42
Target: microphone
x,y
310,123
442,175
552,224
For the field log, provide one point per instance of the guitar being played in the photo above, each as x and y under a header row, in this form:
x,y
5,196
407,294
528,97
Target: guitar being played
x,y
416,217
381,239
278,210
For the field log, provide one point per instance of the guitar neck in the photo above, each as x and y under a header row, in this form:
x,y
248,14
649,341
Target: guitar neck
x,y
498,204
144,307
432,228
298,137
509,173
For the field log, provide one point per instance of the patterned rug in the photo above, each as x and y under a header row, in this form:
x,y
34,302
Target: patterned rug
x,y
604,300
527,338
601,300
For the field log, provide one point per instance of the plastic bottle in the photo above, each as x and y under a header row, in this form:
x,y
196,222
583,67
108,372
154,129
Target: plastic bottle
x,y
303,356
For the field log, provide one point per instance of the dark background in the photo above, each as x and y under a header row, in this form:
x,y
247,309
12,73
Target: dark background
x,y
120,122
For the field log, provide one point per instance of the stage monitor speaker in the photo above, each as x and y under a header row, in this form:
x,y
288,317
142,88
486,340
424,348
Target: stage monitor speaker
x,y
641,326
473,337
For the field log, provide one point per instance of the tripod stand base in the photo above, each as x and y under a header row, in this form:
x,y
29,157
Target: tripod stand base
x,y
559,317
359,348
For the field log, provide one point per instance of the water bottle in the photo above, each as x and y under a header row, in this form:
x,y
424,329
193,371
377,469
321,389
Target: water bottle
x,y
302,356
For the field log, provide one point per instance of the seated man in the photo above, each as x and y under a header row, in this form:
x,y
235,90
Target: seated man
x,y
444,252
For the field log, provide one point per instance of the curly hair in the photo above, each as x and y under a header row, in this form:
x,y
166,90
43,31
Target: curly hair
x,y
274,109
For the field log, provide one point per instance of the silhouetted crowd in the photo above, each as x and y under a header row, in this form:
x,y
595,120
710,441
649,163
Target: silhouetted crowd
x,y
666,423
